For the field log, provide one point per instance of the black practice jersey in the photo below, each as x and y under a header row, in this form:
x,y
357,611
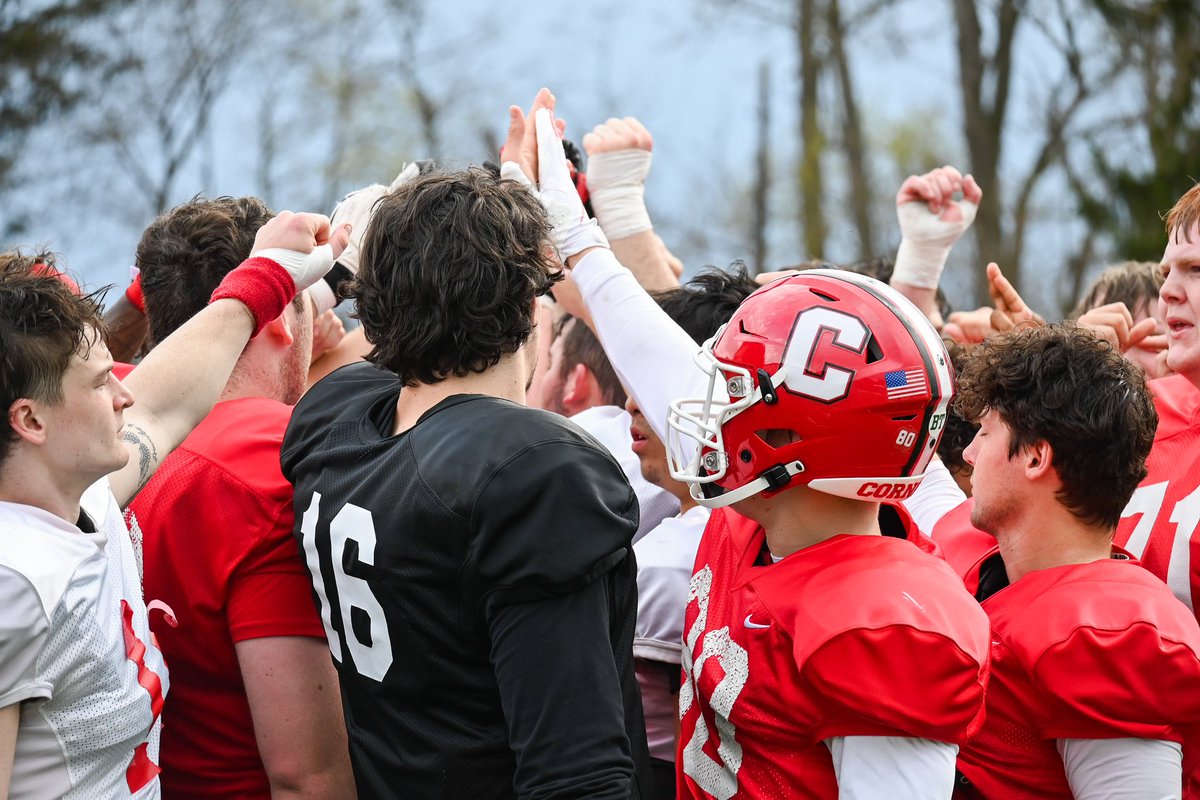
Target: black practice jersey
x,y
478,589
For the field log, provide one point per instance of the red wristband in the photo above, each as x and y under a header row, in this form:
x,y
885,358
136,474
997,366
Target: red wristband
x,y
262,285
133,293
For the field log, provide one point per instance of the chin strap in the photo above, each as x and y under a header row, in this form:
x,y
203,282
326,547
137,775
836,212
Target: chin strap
x,y
772,480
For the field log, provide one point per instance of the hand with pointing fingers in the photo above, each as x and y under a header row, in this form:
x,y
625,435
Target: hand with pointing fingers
x,y
1009,309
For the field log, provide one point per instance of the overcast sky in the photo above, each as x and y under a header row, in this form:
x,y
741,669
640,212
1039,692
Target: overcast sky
x,y
687,70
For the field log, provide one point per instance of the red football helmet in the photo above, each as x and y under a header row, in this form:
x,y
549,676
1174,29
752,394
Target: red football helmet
x,y
827,375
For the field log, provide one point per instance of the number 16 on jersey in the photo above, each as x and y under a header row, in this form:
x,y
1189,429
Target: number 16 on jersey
x,y
350,529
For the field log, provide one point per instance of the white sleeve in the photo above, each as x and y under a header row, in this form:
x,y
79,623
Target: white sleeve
x,y
896,767
1123,769
936,495
652,355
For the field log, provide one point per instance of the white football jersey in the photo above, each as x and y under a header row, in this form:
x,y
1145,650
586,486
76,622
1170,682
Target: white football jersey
x,y
75,651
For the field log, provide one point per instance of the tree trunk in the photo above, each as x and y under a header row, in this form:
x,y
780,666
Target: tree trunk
x,y
811,183
857,158
983,83
762,161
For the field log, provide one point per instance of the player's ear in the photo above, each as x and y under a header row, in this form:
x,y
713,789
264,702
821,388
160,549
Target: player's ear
x,y
576,385
280,330
581,389
26,421
1039,460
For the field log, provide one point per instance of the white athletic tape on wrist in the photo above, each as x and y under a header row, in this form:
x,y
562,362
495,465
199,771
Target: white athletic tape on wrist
x,y
616,184
926,243
322,296
305,268
357,207
511,171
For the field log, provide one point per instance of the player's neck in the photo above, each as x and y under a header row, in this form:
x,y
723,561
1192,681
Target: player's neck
x,y
679,490
506,380
33,484
258,373
801,517
1051,537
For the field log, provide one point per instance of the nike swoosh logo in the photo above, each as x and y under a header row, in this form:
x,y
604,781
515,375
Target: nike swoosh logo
x,y
750,624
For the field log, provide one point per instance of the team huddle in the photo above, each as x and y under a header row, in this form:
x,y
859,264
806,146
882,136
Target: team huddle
x,y
550,524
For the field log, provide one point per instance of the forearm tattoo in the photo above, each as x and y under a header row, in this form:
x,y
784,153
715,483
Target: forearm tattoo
x,y
147,452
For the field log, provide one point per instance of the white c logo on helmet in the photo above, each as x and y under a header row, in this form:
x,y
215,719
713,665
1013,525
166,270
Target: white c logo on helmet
x,y
829,382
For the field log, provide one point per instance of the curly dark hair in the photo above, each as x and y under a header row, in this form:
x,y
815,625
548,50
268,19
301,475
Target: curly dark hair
x,y
1062,385
451,264
186,253
706,302
43,323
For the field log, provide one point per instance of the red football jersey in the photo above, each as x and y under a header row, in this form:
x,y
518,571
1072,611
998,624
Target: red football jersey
x,y
855,636
1159,524
1086,651
962,543
217,525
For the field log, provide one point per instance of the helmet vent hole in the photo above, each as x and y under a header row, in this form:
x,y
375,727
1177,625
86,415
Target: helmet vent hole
x,y
742,325
874,351
824,295
746,456
908,418
778,437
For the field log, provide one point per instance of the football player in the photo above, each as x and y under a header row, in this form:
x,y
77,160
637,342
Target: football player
x,y
1159,525
822,656
800,610
253,688
1094,663
471,556
81,681
666,554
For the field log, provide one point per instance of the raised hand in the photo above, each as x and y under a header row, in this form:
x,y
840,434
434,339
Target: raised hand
x,y
521,148
304,244
1010,309
355,209
549,177
618,163
931,221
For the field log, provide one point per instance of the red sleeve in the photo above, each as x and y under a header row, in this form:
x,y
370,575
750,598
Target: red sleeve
x,y
1105,684
270,592
898,681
